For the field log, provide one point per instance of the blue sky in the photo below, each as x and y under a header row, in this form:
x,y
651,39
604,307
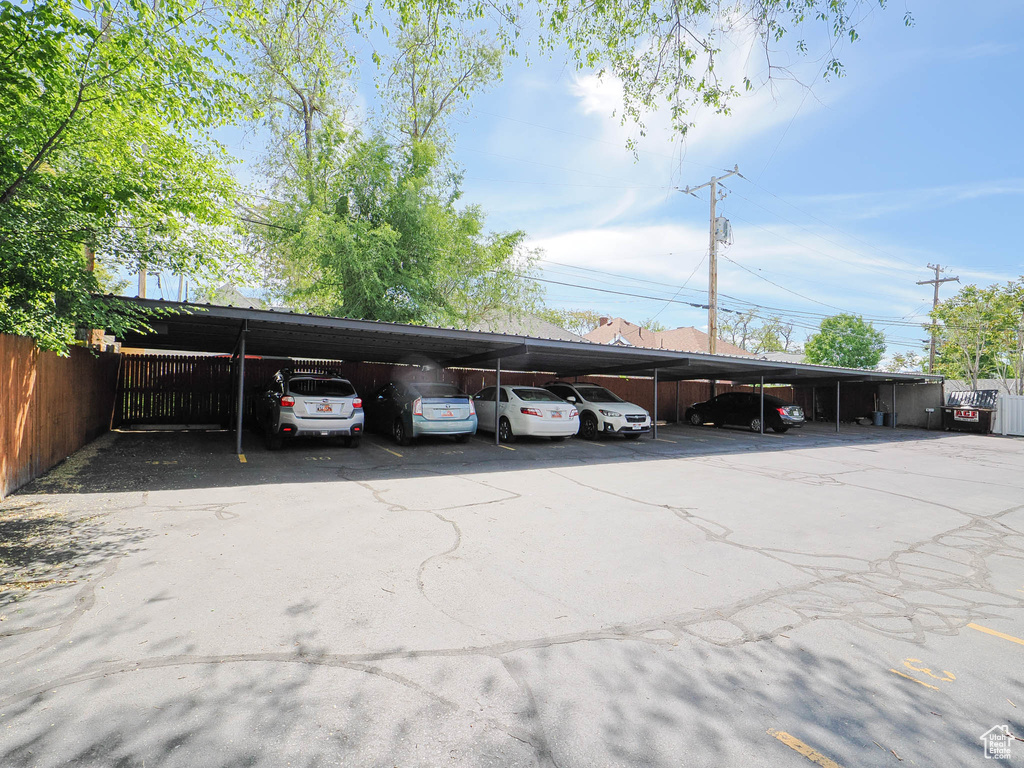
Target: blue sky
x,y
850,188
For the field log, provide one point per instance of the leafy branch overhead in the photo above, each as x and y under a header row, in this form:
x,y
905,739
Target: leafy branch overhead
x,y
664,54
100,110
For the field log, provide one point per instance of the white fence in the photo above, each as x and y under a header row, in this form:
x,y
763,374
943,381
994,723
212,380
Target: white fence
x,y
1009,416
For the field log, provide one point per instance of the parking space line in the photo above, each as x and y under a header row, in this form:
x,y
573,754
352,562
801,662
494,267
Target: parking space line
x,y
919,682
662,440
241,458
994,633
393,453
506,447
804,749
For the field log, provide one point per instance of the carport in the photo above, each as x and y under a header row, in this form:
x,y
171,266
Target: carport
x,y
239,332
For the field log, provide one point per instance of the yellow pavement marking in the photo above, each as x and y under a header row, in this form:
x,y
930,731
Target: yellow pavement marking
x,y
804,749
393,453
662,440
988,631
241,458
507,448
926,685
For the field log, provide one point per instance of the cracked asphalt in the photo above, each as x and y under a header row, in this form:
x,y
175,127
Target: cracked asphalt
x,y
714,597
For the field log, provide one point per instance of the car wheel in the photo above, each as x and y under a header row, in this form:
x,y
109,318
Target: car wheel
x,y
354,441
755,424
696,419
781,430
398,432
505,431
462,438
588,426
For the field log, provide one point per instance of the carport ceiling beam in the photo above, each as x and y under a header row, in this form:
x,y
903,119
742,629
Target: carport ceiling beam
x,y
755,375
486,357
650,365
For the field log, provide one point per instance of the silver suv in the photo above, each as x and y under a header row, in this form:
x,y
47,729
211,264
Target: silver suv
x,y
309,405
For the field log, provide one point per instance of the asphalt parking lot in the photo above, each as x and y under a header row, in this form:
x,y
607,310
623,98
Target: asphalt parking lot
x,y
714,597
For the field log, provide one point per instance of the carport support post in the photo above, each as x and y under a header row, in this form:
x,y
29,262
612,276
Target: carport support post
x,y
677,402
654,416
762,405
241,387
837,406
497,399
894,405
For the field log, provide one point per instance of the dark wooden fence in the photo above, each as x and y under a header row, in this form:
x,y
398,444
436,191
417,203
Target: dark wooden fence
x,y
50,406
188,389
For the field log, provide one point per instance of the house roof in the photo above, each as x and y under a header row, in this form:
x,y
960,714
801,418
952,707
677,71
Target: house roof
x,y
625,333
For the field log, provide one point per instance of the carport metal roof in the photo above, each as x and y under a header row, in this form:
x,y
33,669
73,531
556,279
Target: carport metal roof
x,y
209,328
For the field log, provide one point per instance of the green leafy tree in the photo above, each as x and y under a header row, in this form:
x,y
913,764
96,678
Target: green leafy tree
x,y
578,321
905,362
980,334
426,87
381,238
99,110
846,341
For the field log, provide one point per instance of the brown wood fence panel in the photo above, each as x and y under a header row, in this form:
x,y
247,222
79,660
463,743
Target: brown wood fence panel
x,y
50,406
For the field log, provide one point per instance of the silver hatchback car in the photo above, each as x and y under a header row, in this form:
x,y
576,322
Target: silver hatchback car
x,y
309,405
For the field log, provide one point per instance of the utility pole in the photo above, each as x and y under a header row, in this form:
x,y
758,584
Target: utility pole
x,y
713,258
937,281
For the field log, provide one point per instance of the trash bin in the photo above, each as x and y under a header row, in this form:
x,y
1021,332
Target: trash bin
x,y
970,411
877,418
889,419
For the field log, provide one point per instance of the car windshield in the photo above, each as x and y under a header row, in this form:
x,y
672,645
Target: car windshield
x,y
437,390
321,387
598,395
537,395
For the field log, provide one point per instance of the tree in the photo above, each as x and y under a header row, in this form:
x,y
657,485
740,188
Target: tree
x,y
905,362
980,334
578,321
662,52
368,231
846,341
99,112
426,86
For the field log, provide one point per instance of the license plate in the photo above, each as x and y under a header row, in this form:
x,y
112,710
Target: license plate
x,y
556,414
962,415
447,415
325,408
636,426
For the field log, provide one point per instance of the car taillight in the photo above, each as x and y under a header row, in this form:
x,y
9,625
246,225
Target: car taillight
x,y
531,411
287,402
573,413
782,411
472,407
357,403
417,406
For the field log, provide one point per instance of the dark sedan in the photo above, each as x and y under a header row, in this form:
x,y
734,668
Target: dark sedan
x,y
744,409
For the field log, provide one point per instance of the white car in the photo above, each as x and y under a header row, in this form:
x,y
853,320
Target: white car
x,y
526,411
602,412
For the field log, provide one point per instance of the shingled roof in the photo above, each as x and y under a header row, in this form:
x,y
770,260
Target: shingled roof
x,y
624,333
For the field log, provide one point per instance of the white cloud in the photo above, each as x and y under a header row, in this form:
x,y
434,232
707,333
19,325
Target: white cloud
x,y
871,205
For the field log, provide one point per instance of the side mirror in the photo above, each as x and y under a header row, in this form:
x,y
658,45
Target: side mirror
x,y
571,398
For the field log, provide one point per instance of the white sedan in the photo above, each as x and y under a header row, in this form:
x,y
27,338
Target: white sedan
x,y
526,411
